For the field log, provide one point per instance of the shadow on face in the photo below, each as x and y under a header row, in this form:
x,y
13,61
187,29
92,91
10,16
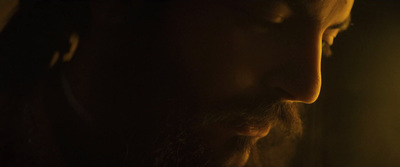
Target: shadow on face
x,y
203,82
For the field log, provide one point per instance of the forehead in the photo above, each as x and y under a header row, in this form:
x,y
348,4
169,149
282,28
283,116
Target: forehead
x,y
322,10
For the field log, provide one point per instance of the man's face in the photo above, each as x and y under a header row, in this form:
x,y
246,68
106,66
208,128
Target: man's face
x,y
270,48
228,72
240,58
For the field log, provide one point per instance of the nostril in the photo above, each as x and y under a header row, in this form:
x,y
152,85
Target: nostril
x,y
284,95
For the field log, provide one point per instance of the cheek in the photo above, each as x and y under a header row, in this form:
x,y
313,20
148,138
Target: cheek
x,y
228,62
220,58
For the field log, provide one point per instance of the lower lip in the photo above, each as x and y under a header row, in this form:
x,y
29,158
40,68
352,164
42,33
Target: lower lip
x,y
253,131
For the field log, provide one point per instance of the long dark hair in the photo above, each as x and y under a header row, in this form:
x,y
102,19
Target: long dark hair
x,y
37,30
27,43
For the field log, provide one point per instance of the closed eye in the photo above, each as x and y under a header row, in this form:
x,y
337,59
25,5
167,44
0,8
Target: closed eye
x,y
327,42
326,49
330,35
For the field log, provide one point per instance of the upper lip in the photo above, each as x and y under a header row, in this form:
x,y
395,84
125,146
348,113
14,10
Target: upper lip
x,y
252,131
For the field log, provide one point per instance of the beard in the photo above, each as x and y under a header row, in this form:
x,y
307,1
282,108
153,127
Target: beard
x,y
182,142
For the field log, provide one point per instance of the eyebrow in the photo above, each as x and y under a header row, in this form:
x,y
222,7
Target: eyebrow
x,y
342,26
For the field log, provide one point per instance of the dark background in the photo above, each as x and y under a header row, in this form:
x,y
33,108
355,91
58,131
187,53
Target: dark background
x,y
356,120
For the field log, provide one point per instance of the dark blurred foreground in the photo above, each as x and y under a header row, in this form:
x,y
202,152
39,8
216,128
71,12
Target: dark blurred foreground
x,y
355,122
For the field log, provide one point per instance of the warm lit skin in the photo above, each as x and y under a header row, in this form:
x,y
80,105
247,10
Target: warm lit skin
x,y
250,57
273,49
221,51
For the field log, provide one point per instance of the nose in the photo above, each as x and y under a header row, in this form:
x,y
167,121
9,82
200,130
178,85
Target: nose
x,y
298,74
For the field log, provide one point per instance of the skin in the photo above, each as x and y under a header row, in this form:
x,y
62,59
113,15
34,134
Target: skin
x,y
201,58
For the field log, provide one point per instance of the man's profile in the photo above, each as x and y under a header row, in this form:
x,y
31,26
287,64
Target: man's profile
x,y
170,83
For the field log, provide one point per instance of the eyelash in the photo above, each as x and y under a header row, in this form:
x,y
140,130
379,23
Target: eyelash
x,y
326,49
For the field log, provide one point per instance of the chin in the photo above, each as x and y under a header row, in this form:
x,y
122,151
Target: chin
x,y
238,160
191,141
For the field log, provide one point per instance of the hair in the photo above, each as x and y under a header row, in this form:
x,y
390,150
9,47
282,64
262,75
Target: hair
x,y
37,30
27,42
41,27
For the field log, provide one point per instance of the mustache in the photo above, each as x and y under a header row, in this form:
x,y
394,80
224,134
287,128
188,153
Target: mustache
x,y
257,113
180,144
